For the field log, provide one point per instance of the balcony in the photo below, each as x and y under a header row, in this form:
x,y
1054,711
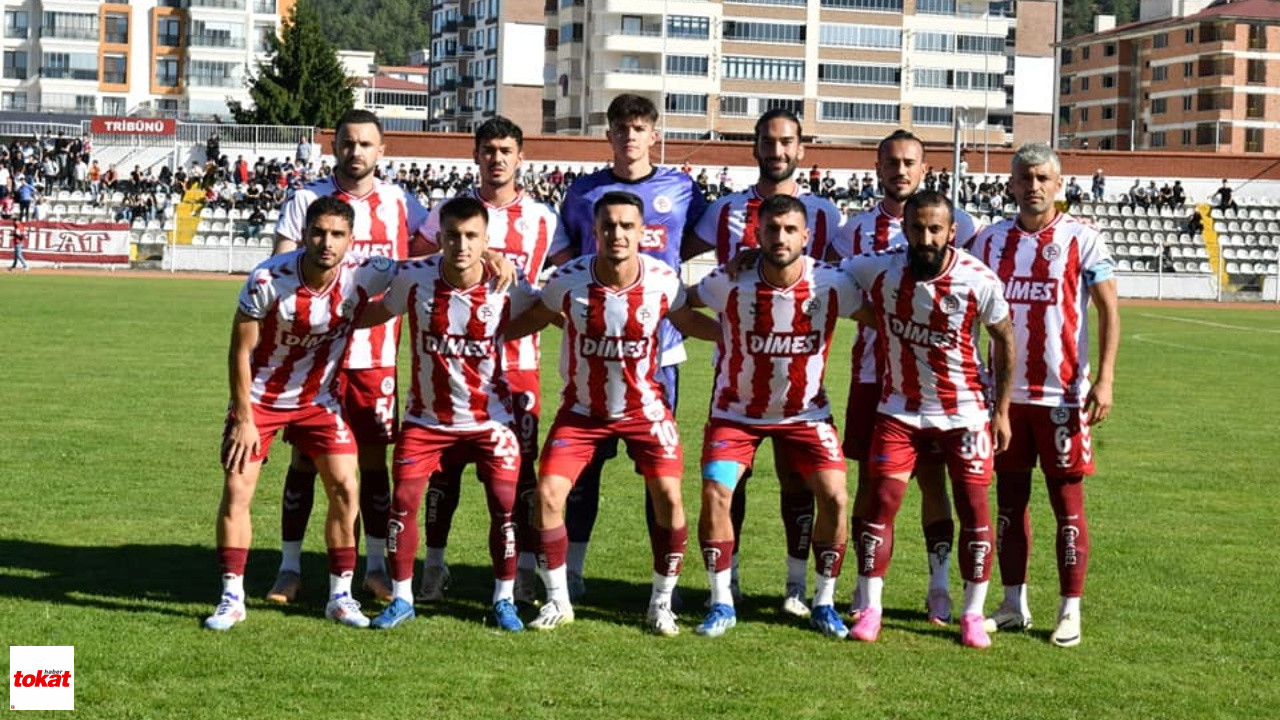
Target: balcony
x,y
468,81
648,40
217,41
69,33
208,81
467,21
218,4
264,7
50,73
466,50
630,79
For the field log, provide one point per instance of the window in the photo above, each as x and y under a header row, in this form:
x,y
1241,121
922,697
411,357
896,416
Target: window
x,y
957,79
1084,53
632,25
1257,37
15,26
1161,40
734,105
1084,115
1188,68
1108,112
1253,140
13,101
1186,137
217,34
1109,50
689,26
15,64
860,74
1064,86
1084,84
687,65
1187,102
1108,81
167,72
1068,56
863,36
117,29
114,106
1160,73
686,104
859,112
764,32
737,67
1189,37
114,70
72,26
264,7
168,32
929,115
935,7
70,66
1159,106
1257,72
1255,106
1157,140
869,5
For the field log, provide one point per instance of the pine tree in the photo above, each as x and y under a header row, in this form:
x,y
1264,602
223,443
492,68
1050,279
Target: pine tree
x,y
302,83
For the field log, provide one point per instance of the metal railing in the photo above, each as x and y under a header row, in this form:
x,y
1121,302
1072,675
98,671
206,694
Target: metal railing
x,y
219,41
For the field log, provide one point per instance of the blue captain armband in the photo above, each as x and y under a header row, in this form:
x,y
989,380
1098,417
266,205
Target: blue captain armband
x,y
1100,272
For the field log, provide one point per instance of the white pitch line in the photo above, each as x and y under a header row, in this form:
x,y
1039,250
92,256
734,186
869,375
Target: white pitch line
x,y
1217,351
1224,326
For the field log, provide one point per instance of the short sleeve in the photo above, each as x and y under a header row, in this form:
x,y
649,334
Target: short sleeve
x,y
1095,258
862,269
258,294
521,296
848,294
397,297
293,215
842,241
554,291
705,228
992,307
713,290
679,298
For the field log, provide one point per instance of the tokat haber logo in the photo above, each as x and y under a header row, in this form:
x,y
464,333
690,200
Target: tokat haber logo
x,y
42,677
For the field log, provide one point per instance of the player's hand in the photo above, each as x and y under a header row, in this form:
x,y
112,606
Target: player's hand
x,y
503,270
241,444
1001,432
1098,405
744,260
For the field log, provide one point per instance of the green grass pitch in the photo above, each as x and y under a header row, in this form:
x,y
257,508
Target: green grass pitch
x,y
113,391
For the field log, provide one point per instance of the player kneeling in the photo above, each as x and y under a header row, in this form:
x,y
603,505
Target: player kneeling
x,y
459,403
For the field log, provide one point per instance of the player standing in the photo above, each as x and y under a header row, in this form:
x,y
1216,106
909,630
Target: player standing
x,y
900,167
731,224
1051,265
777,324
522,229
459,408
927,300
290,331
612,304
385,218
672,206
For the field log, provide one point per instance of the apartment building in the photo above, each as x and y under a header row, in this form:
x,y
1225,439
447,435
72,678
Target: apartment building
x,y
152,57
1187,76
853,70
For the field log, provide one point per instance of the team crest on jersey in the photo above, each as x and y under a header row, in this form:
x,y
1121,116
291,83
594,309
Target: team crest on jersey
x,y
381,263
522,225
950,304
485,312
388,385
811,307
1060,415
643,314
662,204
1050,252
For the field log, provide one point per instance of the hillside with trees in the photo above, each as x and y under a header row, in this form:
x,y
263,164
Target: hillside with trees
x,y
1077,15
391,28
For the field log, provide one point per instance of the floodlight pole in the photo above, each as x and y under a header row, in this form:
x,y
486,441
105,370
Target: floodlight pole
x,y
957,126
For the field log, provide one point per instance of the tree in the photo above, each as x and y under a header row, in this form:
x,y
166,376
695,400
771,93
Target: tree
x,y
302,83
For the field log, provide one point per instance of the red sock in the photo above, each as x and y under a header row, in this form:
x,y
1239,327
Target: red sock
x,y
442,502
668,549
295,507
552,546
375,501
828,560
502,531
717,555
797,520
876,539
402,526
974,510
231,561
342,561
1013,529
1066,496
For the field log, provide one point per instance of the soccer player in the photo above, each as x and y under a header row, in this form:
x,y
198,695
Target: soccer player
x,y
459,408
522,229
611,304
1051,265
672,206
776,326
927,300
731,224
385,218
290,331
900,167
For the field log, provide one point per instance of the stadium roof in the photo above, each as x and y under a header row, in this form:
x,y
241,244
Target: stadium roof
x,y
1268,10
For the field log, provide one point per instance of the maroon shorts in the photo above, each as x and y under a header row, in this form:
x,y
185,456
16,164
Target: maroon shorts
x,y
1058,436
369,399
805,447
495,451
859,419
895,447
313,429
526,406
653,445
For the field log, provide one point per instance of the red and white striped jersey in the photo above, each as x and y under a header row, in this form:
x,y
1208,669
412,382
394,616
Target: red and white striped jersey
x,y
870,231
609,357
304,332
1046,276
929,333
458,382
730,223
386,219
773,350
522,230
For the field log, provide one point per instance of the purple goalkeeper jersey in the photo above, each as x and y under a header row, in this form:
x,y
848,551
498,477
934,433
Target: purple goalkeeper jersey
x,y
672,205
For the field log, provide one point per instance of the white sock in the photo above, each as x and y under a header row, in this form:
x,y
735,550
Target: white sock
x,y
825,591
233,584
975,597
339,584
375,554
719,582
663,586
797,572
526,561
872,590
1069,605
291,556
403,590
504,590
435,558
940,570
1015,596
554,580
576,558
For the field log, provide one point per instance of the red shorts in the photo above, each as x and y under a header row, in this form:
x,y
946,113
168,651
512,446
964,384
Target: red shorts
x,y
895,447
1059,437
526,406
495,451
369,399
805,447
572,440
859,419
313,429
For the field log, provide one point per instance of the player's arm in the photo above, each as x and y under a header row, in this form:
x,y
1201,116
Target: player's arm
x,y
691,245
504,271
691,297
530,321
1002,360
1098,403
864,315
692,323
242,439
284,245
373,315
